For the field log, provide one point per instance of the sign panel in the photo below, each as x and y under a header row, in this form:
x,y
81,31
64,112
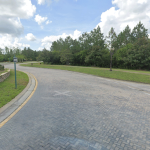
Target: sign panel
x,y
15,60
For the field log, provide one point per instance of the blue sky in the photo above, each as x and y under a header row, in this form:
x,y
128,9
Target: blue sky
x,y
66,16
37,23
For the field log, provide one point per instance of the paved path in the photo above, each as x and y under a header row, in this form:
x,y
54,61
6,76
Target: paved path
x,y
77,111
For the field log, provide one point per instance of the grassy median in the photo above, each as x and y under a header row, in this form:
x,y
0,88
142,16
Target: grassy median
x,y
135,76
7,87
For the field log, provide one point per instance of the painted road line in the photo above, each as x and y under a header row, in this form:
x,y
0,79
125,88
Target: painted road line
x,y
19,108
147,93
62,93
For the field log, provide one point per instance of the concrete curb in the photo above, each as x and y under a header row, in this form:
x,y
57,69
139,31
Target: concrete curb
x,y
10,107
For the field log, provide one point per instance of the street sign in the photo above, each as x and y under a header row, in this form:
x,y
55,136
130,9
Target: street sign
x,y
15,59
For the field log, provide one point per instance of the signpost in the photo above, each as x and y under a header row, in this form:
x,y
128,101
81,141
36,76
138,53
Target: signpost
x,y
15,60
111,53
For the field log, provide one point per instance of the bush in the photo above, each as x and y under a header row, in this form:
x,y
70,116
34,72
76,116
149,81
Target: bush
x,y
1,67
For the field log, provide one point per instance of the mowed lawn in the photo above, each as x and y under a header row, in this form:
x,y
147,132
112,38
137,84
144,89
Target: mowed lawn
x,y
7,87
120,74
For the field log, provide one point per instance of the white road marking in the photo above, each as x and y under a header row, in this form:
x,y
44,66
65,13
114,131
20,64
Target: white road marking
x,y
147,93
58,93
62,93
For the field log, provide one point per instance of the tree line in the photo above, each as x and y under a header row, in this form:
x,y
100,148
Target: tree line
x,y
131,49
27,54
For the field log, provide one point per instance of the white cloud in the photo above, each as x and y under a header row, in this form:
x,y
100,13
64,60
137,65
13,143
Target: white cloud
x,y
17,8
11,42
10,14
42,2
142,1
47,41
39,19
40,48
30,37
128,12
48,22
10,26
76,34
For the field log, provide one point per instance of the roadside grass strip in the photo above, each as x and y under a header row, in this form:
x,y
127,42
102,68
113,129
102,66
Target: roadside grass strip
x,y
102,72
7,87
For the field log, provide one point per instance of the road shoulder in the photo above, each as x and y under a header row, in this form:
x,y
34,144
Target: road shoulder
x,y
19,101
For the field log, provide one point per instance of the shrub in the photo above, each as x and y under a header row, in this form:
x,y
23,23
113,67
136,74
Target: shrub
x,y
1,67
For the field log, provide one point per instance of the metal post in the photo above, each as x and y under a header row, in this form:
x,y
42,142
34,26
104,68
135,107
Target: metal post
x,y
15,72
111,63
111,53
15,76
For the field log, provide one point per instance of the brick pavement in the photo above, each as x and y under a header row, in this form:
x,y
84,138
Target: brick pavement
x,y
75,111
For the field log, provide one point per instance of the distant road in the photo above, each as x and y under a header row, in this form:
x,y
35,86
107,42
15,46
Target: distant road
x,y
5,63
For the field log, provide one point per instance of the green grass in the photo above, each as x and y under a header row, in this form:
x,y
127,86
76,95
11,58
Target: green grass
x,y
30,62
5,70
102,72
134,71
7,87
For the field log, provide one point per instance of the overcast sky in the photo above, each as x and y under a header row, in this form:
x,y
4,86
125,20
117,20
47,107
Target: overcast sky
x,y
37,23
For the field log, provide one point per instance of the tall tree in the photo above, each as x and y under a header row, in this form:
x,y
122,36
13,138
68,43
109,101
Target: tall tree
x,y
97,38
75,47
1,55
1,51
111,38
66,57
98,57
126,35
139,31
85,41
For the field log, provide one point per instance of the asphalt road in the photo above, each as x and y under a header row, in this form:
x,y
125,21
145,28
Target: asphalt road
x,y
77,111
